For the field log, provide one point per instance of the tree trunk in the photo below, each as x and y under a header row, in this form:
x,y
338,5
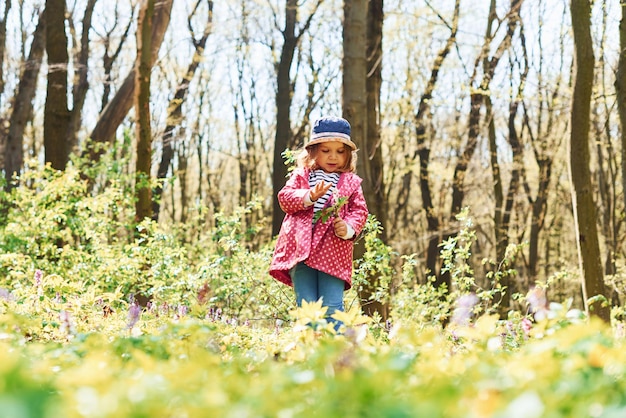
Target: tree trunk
x,y
182,156
355,83
116,110
356,31
538,214
477,98
284,92
496,179
422,120
607,162
284,138
373,151
372,154
4,128
620,88
504,205
143,191
108,59
81,82
175,115
3,39
56,113
545,147
582,193
23,104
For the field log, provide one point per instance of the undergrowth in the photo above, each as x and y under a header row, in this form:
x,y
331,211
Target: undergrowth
x,y
103,317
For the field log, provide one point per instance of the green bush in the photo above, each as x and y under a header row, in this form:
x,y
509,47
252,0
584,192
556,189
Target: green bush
x,y
83,242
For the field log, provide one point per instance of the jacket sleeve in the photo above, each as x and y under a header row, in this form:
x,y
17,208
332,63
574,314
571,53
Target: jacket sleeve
x,y
291,196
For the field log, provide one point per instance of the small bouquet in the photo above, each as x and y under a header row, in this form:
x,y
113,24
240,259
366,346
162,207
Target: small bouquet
x,y
332,210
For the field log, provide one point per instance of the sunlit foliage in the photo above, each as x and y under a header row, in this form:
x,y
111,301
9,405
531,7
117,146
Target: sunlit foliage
x,y
99,321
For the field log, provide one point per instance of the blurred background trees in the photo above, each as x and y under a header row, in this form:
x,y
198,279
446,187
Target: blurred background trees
x,y
453,104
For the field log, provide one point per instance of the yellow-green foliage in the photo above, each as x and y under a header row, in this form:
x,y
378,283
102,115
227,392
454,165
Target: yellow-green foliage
x,y
100,318
184,366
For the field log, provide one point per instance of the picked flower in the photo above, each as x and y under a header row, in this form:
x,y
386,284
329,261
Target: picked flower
x,y
332,210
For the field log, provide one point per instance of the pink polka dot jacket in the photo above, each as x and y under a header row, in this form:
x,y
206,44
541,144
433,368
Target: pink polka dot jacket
x,y
316,244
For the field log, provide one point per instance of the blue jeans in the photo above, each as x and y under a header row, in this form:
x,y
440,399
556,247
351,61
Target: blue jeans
x,y
310,285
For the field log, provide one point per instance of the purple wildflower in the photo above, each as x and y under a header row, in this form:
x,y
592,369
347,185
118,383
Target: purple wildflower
x,y
134,313
279,324
214,314
38,277
388,325
67,325
182,311
6,295
538,303
464,306
526,326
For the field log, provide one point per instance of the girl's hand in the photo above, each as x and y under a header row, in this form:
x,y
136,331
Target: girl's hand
x,y
320,190
341,228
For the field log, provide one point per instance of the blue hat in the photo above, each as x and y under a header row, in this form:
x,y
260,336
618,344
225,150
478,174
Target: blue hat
x,y
329,129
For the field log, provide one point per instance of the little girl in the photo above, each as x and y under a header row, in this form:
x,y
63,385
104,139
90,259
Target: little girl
x,y
314,248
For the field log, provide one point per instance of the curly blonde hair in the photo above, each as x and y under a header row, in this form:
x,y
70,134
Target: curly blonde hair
x,y
308,155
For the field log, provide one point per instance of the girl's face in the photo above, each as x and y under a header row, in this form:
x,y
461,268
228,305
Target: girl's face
x,y
331,156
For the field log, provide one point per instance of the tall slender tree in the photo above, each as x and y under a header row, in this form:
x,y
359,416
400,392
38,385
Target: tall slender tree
x,y
110,55
174,109
424,140
593,286
292,36
541,128
503,209
606,155
485,64
117,108
56,112
3,41
372,152
356,104
143,190
284,93
620,87
80,86
22,109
